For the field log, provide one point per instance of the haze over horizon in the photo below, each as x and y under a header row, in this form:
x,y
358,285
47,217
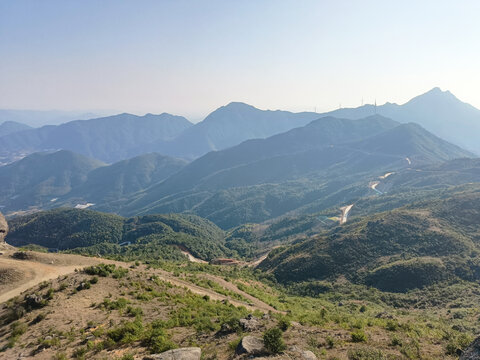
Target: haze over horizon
x,y
191,58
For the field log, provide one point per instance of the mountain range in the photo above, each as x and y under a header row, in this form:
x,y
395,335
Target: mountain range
x,y
265,178
108,139
228,126
37,118
359,235
440,112
119,137
317,166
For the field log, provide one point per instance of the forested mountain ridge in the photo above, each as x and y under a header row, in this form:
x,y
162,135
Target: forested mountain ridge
x,y
51,179
108,139
152,237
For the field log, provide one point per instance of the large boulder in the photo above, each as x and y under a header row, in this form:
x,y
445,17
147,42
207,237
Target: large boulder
x,y
472,352
3,228
308,355
251,345
191,353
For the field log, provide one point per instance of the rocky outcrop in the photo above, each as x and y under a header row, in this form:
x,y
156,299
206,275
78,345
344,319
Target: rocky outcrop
x,y
191,353
472,352
3,228
250,323
34,301
308,355
251,345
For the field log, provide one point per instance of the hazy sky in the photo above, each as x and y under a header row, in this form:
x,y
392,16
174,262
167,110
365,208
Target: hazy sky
x,y
190,57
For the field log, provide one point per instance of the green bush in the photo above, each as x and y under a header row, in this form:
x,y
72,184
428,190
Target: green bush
x,y
358,336
134,311
103,270
392,325
273,340
330,342
283,324
365,354
120,303
127,333
156,339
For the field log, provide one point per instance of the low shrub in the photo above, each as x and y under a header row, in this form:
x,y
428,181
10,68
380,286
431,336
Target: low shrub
x,y
273,340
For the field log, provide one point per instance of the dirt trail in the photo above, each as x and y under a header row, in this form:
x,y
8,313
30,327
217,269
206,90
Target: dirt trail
x,y
41,272
41,267
232,287
374,185
252,304
257,262
192,258
386,175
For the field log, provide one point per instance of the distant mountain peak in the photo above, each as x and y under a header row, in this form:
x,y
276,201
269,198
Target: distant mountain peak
x,y
437,93
238,105
436,89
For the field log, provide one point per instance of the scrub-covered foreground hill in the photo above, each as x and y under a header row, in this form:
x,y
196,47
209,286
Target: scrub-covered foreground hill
x,y
410,247
126,311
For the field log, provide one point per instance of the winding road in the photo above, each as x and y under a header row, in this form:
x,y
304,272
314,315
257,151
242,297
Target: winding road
x,y
345,212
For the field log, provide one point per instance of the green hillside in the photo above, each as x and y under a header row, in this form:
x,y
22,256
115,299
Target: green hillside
x,y
41,177
151,237
324,164
64,178
412,246
114,182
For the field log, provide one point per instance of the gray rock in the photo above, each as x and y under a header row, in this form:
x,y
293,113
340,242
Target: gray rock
x,y
308,355
384,315
251,345
3,228
473,351
191,353
250,323
34,301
